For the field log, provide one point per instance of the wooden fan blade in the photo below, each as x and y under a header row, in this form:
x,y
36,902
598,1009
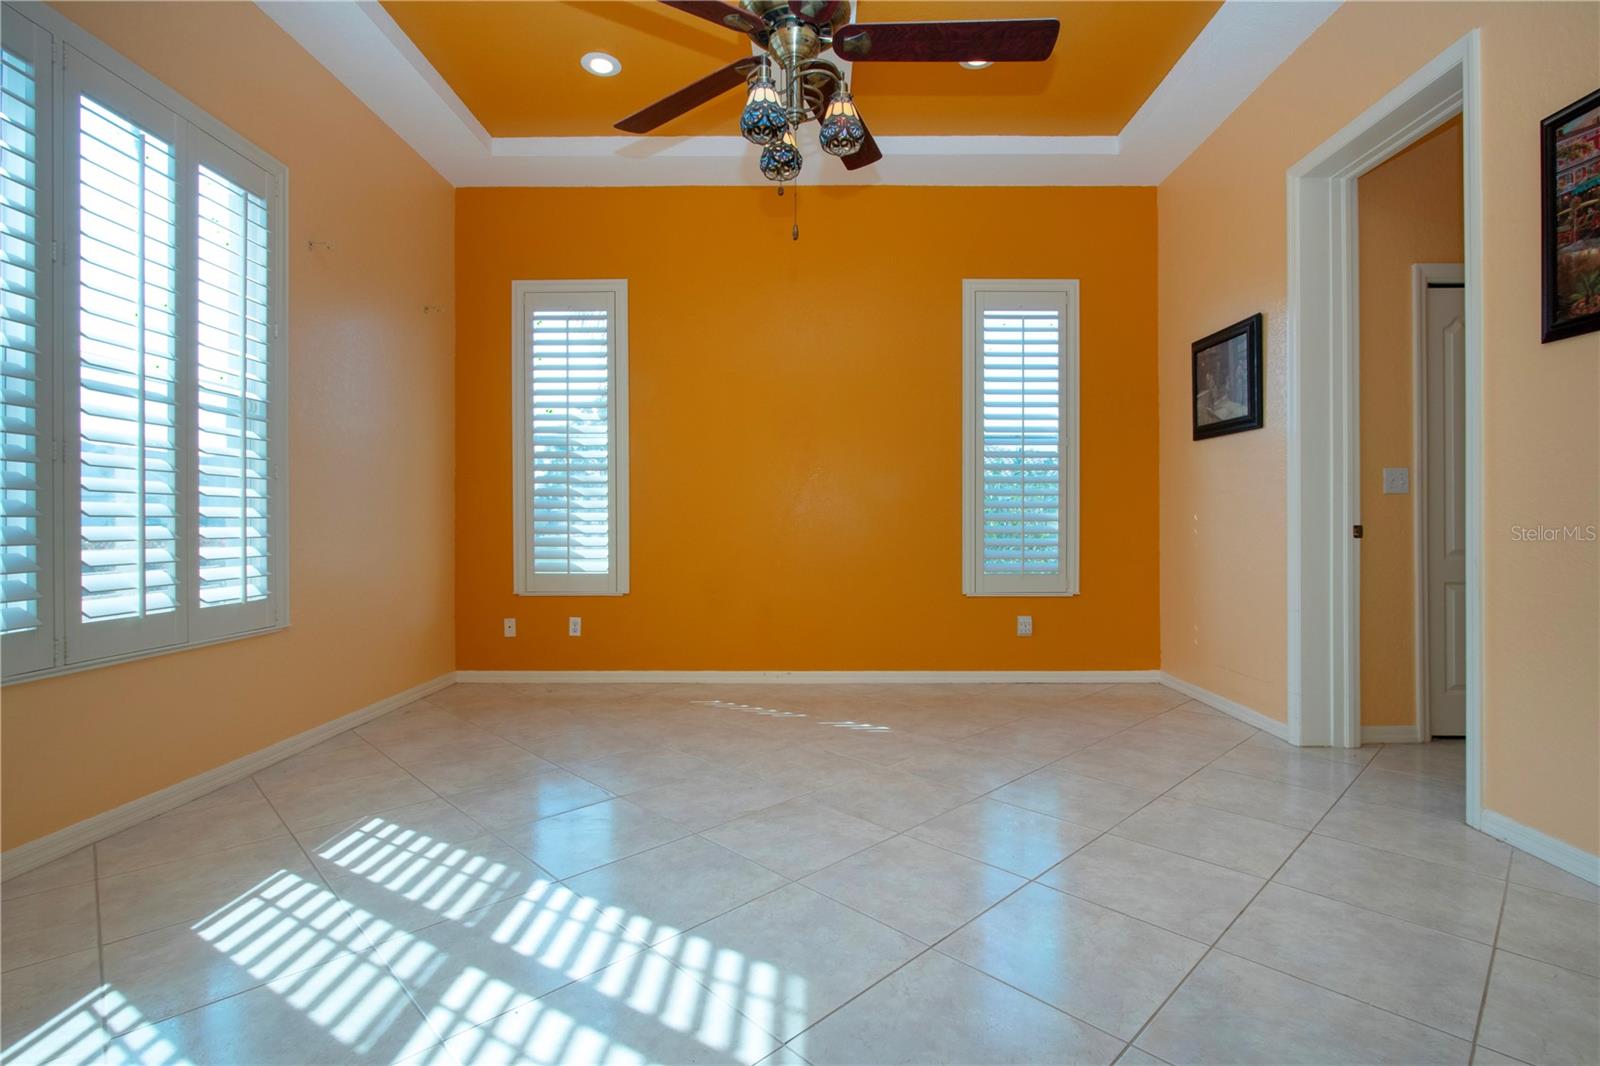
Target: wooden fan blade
x,y
868,154
734,18
999,41
689,97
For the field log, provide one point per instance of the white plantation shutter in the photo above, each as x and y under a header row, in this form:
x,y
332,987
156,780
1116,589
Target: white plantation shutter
x,y
1020,491
26,532
233,461
1022,438
127,367
142,425
569,419
571,364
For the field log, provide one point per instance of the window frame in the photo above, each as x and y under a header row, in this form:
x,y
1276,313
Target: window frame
x,y
615,581
73,60
974,582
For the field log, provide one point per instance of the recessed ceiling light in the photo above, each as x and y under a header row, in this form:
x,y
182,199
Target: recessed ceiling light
x,y
976,64
601,64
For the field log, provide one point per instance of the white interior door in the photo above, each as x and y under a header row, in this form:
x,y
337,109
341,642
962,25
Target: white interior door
x,y
1446,518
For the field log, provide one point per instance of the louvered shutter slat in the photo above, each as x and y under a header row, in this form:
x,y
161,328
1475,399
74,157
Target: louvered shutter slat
x,y
20,520
570,467
1020,405
127,377
233,464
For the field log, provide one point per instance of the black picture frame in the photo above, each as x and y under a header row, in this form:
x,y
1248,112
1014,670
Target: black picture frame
x,y
1225,375
1569,270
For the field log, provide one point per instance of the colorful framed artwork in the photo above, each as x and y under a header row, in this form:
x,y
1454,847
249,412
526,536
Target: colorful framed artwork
x,y
1570,191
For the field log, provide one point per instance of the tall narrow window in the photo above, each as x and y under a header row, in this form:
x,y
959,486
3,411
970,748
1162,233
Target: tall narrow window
x,y
570,356
1021,451
25,528
141,253
233,459
127,368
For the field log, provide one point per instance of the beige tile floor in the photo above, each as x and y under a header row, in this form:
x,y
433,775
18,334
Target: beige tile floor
x,y
822,874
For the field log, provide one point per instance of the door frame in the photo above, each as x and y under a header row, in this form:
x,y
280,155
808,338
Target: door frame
x,y
1322,475
1423,275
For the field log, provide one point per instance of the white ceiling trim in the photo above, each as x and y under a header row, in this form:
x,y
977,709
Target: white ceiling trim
x,y
365,49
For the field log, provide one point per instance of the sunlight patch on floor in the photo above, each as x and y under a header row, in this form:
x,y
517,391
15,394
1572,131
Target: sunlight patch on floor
x,y
609,995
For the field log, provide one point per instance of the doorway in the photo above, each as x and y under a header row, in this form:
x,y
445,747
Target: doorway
x,y
1324,504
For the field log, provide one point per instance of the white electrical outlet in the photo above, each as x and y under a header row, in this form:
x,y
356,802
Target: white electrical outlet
x,y
1024,625
574,627
510,627
1396,480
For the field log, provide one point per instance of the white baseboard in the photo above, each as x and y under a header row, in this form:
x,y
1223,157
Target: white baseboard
x,y
1558,853
1247,715
1390,734
809,677
25,857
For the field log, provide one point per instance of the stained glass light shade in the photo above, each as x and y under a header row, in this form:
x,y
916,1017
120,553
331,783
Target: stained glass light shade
x,y
781,161
842,131
763,120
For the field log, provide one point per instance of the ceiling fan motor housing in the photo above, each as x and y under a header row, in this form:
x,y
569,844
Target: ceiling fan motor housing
x,y
793,41
825,16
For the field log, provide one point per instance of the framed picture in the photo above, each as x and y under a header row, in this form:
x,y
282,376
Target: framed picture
x,y
1227,380
1570,191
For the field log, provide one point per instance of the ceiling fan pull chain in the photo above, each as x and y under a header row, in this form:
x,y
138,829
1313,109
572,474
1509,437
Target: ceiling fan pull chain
x,y
794,234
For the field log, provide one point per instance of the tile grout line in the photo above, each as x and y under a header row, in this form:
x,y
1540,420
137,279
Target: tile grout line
x,y
1494,949
645,949
366,950
203,856
1216,946
1342,995
100,952
927,947
700,833
934,946
1254,896
1104,833
261,984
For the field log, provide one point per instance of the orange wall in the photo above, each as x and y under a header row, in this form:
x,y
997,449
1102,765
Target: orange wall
x,y
1223,256
796,426
370,440
1409,211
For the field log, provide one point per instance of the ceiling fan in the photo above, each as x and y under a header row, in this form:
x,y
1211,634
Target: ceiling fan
x,y
791,83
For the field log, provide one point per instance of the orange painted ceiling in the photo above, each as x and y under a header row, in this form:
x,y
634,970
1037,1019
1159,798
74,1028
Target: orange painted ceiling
x,y
515,65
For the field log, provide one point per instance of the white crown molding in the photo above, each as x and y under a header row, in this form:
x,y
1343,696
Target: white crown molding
x,y
365,49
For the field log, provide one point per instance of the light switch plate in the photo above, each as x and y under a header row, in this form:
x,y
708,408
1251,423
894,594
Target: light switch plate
x,y
1396,480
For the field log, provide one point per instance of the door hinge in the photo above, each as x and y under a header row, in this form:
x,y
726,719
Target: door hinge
x,y
1355,531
